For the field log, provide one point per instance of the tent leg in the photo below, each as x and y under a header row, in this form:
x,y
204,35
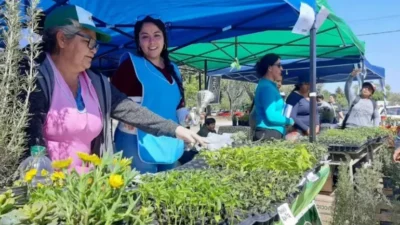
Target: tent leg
x,y
205,74
313,86
199,81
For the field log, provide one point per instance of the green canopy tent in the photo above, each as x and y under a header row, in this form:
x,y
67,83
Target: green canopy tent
x,y
334,39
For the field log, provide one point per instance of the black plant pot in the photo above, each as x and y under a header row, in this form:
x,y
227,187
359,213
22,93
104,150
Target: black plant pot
x,y
20,193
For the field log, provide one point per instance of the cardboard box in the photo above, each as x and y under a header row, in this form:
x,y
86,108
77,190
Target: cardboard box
x,y
325,203
328,187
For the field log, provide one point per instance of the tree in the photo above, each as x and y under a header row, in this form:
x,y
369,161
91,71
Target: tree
x,y
379,96
287,89
234,92
339,91
250,89
320,88
190,79
394,98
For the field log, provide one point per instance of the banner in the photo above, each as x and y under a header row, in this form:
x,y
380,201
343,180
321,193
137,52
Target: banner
x,y
303,207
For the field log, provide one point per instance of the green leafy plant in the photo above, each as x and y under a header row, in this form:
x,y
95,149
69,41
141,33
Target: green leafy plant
x,y
99,196
342,137
212,196
187,197
7,202
276,157
258,189
352,136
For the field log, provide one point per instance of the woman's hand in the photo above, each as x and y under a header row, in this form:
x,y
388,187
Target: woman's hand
x,y
355,72
189,136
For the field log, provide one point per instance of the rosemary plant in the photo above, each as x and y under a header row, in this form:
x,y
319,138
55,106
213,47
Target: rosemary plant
x,y
13,84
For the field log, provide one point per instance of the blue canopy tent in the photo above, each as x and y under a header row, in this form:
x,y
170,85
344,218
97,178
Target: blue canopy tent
x,y
328,71
202,21
188,21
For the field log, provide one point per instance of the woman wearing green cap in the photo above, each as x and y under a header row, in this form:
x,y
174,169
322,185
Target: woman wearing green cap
x,y
72,109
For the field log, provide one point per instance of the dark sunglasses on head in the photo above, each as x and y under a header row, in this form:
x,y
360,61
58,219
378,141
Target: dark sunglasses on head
x,y
92,43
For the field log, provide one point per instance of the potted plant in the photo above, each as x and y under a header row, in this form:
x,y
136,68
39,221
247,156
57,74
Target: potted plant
x,y
100,196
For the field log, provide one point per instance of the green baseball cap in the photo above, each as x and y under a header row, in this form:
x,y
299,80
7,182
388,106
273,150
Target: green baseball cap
x,y
62,16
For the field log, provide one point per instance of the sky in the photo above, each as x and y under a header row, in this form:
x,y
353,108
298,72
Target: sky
x,y
372,16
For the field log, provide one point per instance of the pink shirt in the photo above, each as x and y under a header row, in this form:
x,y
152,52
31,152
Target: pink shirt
x,y
67,130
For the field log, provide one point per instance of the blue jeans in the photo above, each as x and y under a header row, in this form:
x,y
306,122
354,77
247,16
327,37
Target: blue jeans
x,y
129,145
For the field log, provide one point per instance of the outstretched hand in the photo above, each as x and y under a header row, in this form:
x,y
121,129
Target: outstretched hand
x,y
189,136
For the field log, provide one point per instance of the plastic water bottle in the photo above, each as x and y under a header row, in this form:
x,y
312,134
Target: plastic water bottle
x,y
39,161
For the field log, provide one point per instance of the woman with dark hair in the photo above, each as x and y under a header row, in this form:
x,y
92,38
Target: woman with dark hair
x,y
151,79
268,103
298,108
72,107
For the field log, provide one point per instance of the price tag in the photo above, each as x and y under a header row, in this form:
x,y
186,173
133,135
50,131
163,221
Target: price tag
x,y
286,215
312,177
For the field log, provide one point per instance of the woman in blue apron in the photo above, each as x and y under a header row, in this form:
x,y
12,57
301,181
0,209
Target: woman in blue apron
x,y
151,79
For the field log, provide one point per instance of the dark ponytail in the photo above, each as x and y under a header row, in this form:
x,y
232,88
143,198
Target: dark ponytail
x,y
164,52
171,70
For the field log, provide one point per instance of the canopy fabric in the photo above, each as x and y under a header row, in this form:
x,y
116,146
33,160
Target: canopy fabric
x,y
328,71
334,40
188,21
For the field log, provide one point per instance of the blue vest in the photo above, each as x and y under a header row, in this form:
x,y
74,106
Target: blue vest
x,y
162,98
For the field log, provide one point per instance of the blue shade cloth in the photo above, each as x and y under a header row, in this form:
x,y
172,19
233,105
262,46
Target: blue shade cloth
x,y
328,71
188,21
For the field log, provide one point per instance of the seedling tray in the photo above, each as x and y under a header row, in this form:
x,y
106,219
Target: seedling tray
x,y
270,217
197,163
353,149
252,219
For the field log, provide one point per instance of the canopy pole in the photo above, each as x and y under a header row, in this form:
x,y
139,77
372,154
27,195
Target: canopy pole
x,y
205,74
313,85
199,80
236,47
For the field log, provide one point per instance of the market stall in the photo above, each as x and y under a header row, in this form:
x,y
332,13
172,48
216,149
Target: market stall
x,y
247,184
353,145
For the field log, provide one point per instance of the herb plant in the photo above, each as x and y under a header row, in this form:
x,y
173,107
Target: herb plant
x,y
277,157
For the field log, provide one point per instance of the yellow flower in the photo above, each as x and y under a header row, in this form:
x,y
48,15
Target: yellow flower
x,y
57,175
30,175
115,161
44,173
90,180
126,162
84,156
95,160
116,181
40,185
61,164
89,158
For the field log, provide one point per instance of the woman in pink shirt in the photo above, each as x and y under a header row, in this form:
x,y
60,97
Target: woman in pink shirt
x,y
71,110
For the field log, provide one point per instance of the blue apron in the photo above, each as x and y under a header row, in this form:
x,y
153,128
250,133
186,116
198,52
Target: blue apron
x,y
162,98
